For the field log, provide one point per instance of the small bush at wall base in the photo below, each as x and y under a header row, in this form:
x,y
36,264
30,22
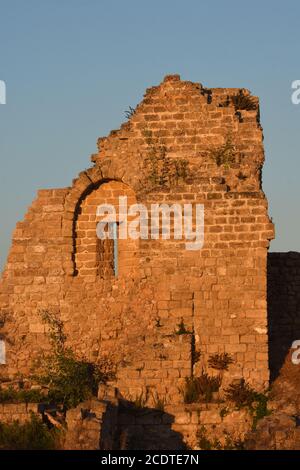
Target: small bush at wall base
x,y
200,389
243,396
233,444
159,403
206,444
260,409
69,379
140,401
32,435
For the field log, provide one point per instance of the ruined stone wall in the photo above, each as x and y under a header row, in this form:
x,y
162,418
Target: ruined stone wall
x,y
91,425
21,412
183,144
182,426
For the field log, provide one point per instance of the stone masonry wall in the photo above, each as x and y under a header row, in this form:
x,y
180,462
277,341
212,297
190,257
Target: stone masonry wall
x,y
91,425
178,427
10,412
183,144
283,306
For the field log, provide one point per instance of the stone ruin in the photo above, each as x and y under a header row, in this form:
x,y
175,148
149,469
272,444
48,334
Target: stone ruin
x,y
165,310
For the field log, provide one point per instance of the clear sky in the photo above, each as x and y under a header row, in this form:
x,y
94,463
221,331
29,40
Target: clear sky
x,y
72,67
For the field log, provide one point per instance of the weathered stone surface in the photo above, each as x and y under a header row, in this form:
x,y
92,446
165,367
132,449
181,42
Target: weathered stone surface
x,y
172,151
91,425
21,412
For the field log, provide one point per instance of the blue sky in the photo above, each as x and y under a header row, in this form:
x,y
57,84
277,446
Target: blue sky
x,y
72,67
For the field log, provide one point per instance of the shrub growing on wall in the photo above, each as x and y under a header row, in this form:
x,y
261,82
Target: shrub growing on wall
x,y
70,379
200,389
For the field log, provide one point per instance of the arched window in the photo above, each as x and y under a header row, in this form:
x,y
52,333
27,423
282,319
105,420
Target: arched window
x,y
107,252
103,257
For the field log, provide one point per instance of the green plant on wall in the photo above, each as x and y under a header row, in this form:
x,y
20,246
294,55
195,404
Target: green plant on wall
x,y
70,379
159,402
226,154
200,389
152,164
243,396
3,318
55,326
224,412
220,361
140,401
204,442
181,329
181,168
242,101
215,444
129,112
162,170
159,166
11,395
